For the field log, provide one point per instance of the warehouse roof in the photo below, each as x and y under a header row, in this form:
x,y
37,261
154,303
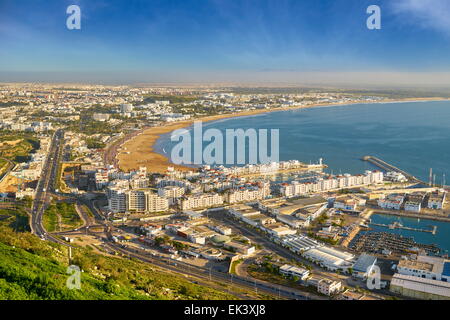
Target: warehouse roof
x,y
436,287
364,261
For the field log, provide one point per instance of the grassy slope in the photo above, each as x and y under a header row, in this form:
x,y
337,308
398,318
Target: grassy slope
x,y
21,151
34,269
68,214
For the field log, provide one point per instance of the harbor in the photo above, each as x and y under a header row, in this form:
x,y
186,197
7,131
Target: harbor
x,y
398,225
390,243
401,233
389,167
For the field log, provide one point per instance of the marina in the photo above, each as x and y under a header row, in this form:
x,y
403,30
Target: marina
x,y
386,243
398,225
420,230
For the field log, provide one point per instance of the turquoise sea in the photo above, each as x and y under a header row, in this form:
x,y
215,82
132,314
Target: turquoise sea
x,y
414,136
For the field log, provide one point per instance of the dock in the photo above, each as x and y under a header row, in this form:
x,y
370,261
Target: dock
x,y
389,167
397,225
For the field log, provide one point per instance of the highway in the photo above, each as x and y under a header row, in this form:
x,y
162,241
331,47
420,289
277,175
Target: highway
x,y
45,188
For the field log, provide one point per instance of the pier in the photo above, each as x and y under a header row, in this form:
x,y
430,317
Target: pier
x,y
389,167
397,225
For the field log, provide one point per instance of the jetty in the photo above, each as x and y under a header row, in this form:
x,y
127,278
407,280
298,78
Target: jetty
x,y
389,167
398,225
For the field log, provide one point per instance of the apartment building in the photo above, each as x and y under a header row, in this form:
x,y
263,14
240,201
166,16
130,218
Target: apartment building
x,y
236,196
392,202
117,201
171,193
139,182
200,200
144,201
348,203
329,287
296,188
101,179
414,201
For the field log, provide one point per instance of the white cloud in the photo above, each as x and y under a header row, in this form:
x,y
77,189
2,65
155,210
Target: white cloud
x,y
428,14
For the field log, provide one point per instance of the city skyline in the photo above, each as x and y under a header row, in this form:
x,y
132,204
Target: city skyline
x,y
292,42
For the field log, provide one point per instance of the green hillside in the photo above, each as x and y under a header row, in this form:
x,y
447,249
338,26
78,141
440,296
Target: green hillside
x,y
35,269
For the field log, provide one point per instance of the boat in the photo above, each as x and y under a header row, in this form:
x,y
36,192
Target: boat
x,y
364,225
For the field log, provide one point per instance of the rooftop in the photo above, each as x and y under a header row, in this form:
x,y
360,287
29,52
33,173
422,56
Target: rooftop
x,y
436,287
416,265
446,271
364,261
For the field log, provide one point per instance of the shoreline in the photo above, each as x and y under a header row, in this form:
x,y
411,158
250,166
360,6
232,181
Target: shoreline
x,y
141,146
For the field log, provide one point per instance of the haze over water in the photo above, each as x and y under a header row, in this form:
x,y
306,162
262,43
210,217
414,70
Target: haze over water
x,y
414,136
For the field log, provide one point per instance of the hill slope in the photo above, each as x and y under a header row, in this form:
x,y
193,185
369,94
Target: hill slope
x,y
35,269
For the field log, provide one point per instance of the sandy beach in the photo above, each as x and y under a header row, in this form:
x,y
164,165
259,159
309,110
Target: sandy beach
x,y
139,152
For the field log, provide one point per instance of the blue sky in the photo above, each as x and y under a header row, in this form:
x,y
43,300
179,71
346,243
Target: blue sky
x,y
207,40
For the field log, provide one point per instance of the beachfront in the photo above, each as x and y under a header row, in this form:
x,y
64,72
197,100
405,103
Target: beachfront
x,y
139,150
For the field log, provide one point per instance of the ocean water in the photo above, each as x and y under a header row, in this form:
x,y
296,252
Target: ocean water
x,y
414,136
441,238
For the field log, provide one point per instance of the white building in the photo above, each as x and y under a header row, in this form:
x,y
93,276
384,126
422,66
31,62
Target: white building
x,y
292,221
420,288
330,258
291,271
247,194
139,182
126,108
436,200
348,203
329,287
392,202
142,201
171,193
117,201
296,188
100,117
201,200
434,268
413,206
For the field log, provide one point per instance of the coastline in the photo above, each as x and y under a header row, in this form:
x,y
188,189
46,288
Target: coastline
x,y
141,146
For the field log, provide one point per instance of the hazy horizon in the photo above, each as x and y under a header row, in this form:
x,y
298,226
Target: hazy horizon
x,y
307,43
368,81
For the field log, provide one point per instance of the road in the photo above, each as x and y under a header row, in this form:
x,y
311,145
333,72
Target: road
x,y
111,151
9,167
45,188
